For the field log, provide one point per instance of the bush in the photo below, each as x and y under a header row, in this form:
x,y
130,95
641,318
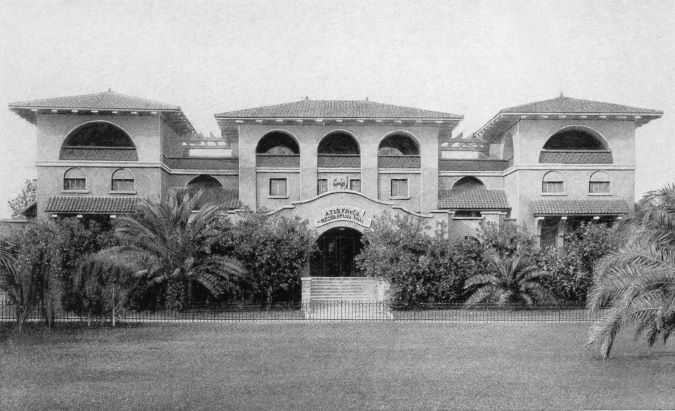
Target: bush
x,y
570,267
420,268
275,250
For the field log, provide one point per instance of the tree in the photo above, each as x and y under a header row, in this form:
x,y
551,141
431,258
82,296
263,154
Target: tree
x,y
513,280
635,286
24,199
275,250
177,240
103,284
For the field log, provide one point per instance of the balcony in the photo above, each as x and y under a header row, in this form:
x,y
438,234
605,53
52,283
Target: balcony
x,y
339,160
278,160
576,156
98,153
201,163
404,161
473,165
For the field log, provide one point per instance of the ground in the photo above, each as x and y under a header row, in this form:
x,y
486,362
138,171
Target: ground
x,y
330,366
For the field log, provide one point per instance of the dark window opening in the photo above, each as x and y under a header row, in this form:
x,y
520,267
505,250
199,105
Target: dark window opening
x,y
574,140
338,143
99,135
277,143
398,145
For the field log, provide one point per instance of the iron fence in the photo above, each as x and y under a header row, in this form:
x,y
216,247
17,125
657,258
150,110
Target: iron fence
x,y
363,311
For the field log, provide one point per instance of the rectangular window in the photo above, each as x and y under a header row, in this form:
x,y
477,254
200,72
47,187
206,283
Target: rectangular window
x,y
123,185
75,184
399,187
278,187
355,184
321,185
597,187
552,187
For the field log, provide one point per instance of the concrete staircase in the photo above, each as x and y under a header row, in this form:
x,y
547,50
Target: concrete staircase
x,y
345,298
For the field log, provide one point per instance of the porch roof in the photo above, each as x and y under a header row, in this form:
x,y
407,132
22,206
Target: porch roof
x,y
92,205
590,207
473,199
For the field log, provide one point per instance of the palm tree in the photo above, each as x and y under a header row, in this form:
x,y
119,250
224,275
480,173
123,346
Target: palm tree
x,y
176,239
514,280
635,286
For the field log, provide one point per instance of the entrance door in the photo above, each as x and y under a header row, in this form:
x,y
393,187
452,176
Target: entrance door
x,y
336,249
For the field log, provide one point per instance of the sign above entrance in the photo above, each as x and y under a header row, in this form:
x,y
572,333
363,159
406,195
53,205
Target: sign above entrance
x,y
344,213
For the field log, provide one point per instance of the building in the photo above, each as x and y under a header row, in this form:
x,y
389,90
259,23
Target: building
x,y
547,165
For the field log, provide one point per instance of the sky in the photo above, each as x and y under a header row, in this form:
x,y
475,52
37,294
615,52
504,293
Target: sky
x,y
464,57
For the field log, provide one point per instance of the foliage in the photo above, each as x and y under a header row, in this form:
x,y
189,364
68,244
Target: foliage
x,y
420,268
275,250
176,241
46,254
570,267
512,280
103,284
506,239
635,286
26,197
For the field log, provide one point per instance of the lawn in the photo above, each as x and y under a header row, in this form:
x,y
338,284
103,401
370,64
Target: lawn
x,y
330,366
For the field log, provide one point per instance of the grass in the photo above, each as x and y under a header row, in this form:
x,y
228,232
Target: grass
x,y
329,366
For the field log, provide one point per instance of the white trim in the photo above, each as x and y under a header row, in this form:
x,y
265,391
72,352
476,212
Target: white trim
x,y
473,173
95,163
276,170
399,171
338,170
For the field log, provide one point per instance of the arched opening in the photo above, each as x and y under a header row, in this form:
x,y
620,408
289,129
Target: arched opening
x,y
122,181
398,145
339,149
212,190
277,149
398,151
553,183
336,250
98,141
574,139
74,179
467,183
599,183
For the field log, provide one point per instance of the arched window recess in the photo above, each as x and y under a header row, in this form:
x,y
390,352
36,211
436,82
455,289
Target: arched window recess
x,y
398,150
98,140
339,149
278,149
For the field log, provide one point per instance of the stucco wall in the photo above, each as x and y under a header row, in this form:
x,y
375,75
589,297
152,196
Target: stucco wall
x,y
368,138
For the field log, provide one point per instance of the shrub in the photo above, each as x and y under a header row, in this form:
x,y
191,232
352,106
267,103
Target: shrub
x,y
570,267
420,268
275,250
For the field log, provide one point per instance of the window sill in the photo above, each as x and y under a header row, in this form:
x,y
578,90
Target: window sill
x,y
278,197
75,191
599,194
123,192
554,194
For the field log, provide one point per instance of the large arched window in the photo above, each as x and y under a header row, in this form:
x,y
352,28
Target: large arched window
x,y
277,149
74,179
338,149
277,143
211,189
553,183
574,139
398,151
599,183
98,141
468,183
576,145
122,181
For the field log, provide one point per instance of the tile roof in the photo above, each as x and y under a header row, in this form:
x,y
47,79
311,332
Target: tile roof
x,y
92,205
565,207
336,109
107,100
564,104
472,165
575,157
473,199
